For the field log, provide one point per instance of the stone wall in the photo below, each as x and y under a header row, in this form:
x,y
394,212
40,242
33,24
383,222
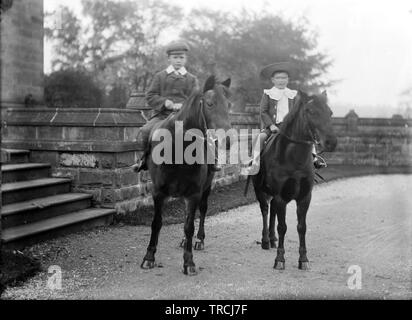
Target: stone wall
x,y
22,53
366,141
94,147
369,141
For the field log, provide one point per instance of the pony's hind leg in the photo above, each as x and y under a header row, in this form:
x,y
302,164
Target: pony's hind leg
x,y
189,267
200,239
280,208
302,209
149,258
272,219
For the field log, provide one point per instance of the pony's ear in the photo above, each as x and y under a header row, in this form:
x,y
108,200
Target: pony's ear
x,y
324,93
209,84
227,82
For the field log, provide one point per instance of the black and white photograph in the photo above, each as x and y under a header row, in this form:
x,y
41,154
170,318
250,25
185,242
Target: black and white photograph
x,y
205,154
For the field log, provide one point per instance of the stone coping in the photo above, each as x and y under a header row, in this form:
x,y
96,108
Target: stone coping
x,y
90,117
75,146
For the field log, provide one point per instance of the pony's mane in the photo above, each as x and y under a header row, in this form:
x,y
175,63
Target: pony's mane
x,y
293,114
190,113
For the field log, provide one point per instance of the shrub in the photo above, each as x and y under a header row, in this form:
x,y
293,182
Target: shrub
x,y
72,89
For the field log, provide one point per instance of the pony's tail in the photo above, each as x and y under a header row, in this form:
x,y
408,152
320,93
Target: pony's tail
x,y
247,185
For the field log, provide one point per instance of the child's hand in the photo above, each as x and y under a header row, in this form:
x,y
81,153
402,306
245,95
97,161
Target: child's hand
x,y
169,104
177,106
274,128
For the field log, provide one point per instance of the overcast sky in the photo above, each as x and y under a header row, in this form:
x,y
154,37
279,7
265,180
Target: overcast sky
x,y
370,42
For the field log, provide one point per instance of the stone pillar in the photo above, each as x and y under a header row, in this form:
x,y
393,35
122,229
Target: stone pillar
x,y
352,121
137,101
22,54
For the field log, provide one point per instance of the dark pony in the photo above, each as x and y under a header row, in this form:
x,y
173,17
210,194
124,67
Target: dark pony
x,y
287,173
192,182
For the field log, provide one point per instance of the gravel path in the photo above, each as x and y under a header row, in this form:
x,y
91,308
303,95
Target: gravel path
x,y
364,221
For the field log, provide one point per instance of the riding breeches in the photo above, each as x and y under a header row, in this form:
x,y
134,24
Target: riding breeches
x,y
144,132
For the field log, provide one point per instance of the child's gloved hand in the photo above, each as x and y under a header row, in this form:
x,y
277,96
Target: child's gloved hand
x,y
274,128
177,106
169,104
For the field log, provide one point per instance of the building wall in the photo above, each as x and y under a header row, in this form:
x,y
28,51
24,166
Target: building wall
x,y
22,52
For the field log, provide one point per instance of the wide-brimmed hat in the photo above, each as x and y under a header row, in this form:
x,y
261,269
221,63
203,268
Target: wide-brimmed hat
x,y
268,71
177,46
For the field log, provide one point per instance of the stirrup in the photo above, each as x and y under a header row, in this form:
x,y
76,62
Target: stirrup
x,y
319,162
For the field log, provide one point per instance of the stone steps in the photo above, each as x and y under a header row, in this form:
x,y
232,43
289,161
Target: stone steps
x,y
20,236
25,190
15,156
34,210
24,171
36,206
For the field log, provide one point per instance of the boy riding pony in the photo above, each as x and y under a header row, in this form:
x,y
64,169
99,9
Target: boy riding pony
x,y
169,89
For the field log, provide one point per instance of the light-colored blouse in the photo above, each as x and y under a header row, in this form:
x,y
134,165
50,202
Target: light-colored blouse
x,y
282,97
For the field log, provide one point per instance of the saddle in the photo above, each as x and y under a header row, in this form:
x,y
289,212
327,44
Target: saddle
x,y
155,127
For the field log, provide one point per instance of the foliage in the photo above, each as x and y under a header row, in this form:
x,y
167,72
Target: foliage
x,y
117,42
72,88
120,43
241,45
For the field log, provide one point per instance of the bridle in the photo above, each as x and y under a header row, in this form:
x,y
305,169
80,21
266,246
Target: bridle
x,y
202,103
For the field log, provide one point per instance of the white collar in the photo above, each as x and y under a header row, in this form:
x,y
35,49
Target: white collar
x,y
182,70
277,94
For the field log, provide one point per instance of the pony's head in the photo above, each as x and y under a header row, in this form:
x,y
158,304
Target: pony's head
x,y
319,119
216,105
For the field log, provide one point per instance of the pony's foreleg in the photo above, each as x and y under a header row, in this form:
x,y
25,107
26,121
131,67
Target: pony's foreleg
x,y
272,220
264,208
149,258
280,208
189,267
302,209
200,241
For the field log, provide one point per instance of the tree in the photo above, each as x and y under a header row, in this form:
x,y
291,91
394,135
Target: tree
x,y
72,88
241,45
119,42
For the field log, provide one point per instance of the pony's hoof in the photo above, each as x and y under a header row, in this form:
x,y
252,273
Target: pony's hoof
x,y
199,245
146,264
279,265
190,270
265,245
304,265
273,243
183,243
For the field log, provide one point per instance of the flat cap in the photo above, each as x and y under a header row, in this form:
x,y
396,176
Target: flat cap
x,y
177,46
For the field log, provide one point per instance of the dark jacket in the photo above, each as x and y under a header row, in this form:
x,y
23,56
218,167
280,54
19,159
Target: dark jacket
x,y
268,110
176,88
